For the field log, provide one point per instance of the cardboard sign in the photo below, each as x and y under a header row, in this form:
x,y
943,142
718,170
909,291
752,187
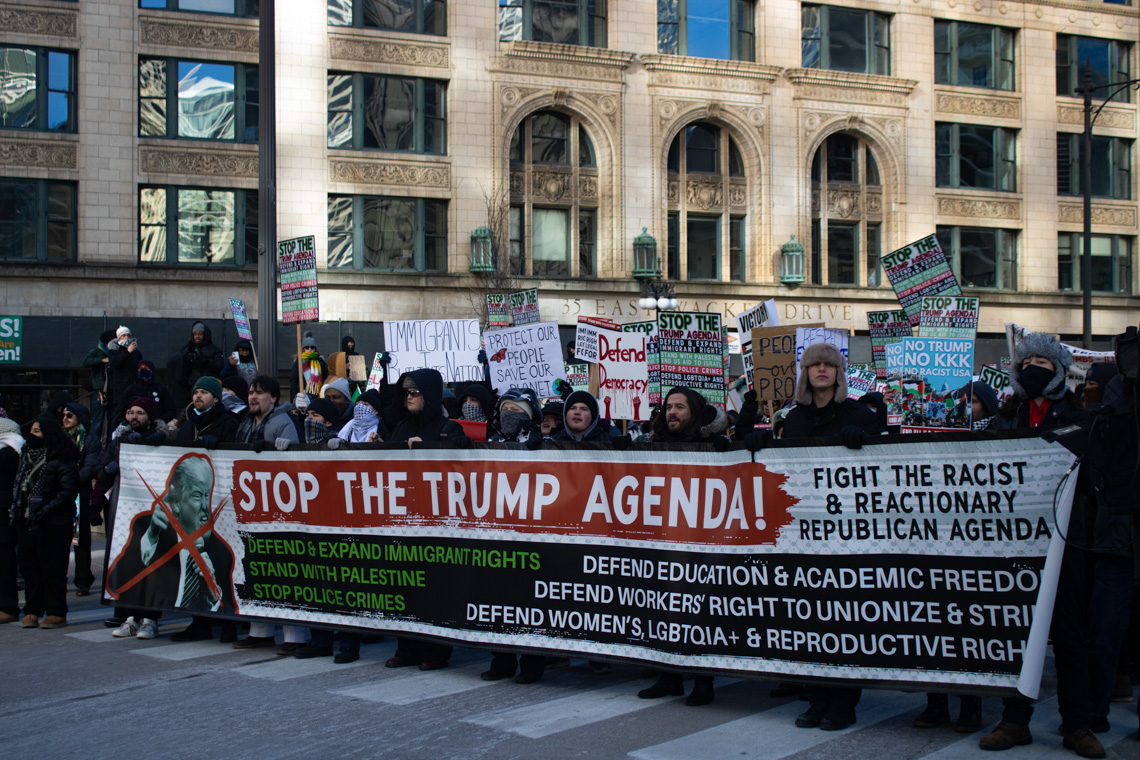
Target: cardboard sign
x,y
297,276
586,337
919,270
948,317
450,346
524,307
692,353
241,321
11,339
623,376
498,311
774,362
807,336
761,315
527,356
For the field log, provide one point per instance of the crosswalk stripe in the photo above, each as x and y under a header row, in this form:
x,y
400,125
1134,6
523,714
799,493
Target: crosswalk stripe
x,y
772,734
98,636
537,720
406,690
188,650
288,668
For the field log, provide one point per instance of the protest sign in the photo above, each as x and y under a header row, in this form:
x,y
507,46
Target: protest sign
x,y
297,275
527,356
450,346
652,356
524,307
860,380
886,327
940,557
998,380
933,370
948,317
774,363
376,375
623,375
578,375
807,336
241,321
498,311
691,349
586,337
761,315
1083,358
918,270
11,339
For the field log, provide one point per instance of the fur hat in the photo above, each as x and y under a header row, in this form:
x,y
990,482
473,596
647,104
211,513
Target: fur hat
x,y
821,353
1045,346
9,426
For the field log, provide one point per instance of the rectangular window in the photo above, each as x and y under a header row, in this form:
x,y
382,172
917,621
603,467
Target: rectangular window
x,y
198,100
567,22
551,242
1111,262
874,252
736,270
368,112
195,226
587,242
973,55
816,252
239,8
973,156
703,247
411,16
673,247
1111,166
518,266
981,257
37,220
387,233
845,39
37,89
724,29
1107,60
842,253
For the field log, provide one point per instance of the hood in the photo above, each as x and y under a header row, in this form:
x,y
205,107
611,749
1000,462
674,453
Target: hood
x,y
479,392
430,383
812,355
207,333
344,345
575,398
82,412
243,343
984,393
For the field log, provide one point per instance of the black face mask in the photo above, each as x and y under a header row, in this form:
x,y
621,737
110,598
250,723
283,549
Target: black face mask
x,y
34,442
1034,380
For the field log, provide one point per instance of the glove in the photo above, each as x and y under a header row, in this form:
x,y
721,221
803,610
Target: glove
x,y
334,443
852,436
720,443
750,397
282,444
385,358
534,443
482,357
209,441
758,439
563,388
154,439
461,442
301,401
134,436
259,445
621,442
111,468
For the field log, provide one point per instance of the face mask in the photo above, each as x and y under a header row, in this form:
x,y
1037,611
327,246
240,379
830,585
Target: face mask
x,y
315,431
145,374
33,441
364,414
473,413
1034,379
510,422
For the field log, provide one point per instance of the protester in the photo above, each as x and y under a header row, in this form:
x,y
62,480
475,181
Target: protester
x,y
146,383
235,390
97,362
983,404
43,507
551,418
873,400
267,421
11,445
240,363
338,391
124,357
475,403
199,357
580,419
315,368
366,425
76,421
319,419
516,418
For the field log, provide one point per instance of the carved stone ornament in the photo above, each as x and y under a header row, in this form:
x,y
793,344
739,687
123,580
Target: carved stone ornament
x,y
972,105
47,154
551,186
214,163
708,75
815,205
712,110
510,97
1115,216
162,33
518,183
561,61
812,122
673,192
588,187
21,19
382,173
979,208
1109,118
372,50
874,203
850,88
737,195
559,96
704,194
844,203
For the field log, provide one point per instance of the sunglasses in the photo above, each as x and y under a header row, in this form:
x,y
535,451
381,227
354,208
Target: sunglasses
x,y
412,394
68,415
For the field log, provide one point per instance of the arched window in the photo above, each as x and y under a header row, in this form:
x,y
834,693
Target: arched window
x,y
847,214
707,202
554,198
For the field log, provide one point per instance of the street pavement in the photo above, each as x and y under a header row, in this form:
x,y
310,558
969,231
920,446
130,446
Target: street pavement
x,y
79,693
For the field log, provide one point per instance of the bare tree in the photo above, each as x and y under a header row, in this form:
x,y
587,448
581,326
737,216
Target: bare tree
x,y
499,279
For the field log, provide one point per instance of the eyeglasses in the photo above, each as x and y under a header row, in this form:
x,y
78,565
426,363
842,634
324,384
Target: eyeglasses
x,y
68,415
412,393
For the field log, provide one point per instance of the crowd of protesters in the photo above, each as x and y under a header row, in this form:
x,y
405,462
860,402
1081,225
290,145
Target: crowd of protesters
x,y
57,471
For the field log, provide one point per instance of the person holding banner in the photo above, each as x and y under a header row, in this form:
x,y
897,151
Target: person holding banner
x,y
338,391
580,419
516,419
367,424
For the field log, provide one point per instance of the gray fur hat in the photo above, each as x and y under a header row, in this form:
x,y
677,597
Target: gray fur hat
x,y
821,353
1048,347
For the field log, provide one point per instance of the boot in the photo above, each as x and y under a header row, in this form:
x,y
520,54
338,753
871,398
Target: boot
x,y
936,713
668,685
969,715
702,692
1005,736
1084,743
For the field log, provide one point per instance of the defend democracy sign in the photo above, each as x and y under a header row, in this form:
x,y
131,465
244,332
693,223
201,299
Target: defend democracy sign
x,y
930,565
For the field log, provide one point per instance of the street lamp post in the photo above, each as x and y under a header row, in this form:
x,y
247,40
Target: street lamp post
x,y
267,192
656,294
1087,89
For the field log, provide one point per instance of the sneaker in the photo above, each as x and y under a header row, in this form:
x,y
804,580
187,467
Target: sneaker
x,y
128,629
1006,735
1084,743
148,629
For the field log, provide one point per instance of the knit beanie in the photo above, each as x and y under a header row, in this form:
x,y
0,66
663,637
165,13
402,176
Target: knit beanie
x,y
338,384
325,408
210,385
1048,347
147,405
238,385
821,353
123,330
198,327
308,341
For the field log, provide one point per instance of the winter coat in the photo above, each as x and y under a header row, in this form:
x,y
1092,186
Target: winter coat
x,y
1110,466
215,421
123,366
100,377
595,432
199,360
278,424
60,487
9,463
430,424
1015,413
809,421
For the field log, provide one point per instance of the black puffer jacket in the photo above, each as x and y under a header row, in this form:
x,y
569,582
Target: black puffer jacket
x,y
215,421
809,421
59,489
431,424
200,359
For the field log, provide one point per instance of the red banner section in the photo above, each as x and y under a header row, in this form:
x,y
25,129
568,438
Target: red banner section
x,y
737,504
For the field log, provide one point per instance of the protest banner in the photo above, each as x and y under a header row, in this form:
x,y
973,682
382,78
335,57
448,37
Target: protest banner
x,y
933,370
1083,358
526,356
241,321
11,339
578,375
586,337
948,317
998,380
498,311
691,350
450,346
652,356
623,375
297,276
928,566
807,336
761,315
918,270
886,327
524,307
860,380
774,363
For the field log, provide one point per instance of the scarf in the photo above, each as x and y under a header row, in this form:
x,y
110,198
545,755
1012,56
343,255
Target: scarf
x,y
312,377
316,431
29,477
473,413
364,419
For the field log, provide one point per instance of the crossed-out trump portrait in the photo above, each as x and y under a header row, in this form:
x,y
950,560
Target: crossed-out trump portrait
x,y
173,557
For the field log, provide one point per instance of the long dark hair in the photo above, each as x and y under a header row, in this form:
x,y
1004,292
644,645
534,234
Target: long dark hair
x,y
58,443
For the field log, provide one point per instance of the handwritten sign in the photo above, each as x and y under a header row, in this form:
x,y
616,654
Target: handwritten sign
x,y
450,346
586,337
527,356
807,336
623,375
652,356
761,315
